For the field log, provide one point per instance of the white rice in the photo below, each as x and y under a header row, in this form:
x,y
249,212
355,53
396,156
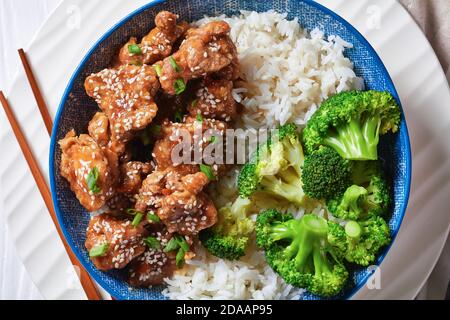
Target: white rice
x,y
288,73
207,277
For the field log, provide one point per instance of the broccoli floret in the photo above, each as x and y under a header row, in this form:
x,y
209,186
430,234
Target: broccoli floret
x,y
298,251
359,242
228,239
275,169
351,123
368,196
325,174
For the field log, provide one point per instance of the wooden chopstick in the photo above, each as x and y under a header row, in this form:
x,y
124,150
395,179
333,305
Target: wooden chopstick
x,y
86,281
37,92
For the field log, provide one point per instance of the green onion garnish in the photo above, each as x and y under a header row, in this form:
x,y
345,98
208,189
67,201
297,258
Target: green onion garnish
x,y
152,243
174,64
153,217
158,69
91,181
179,86
183,243
180,258
178,243
199,117
172,245
208,171
213,139
132,211
194,103
134,49
99,251
137,219
136,63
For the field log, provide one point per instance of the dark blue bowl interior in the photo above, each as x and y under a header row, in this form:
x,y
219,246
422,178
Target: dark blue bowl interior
x,y
76,109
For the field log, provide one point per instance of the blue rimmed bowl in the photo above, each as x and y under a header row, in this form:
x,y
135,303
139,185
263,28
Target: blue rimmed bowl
x,y
76,109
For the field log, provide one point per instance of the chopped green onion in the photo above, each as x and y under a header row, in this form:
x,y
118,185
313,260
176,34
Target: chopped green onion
x,y
172,245
91,181
134,49
153,217
213,139
137,219
136,63
208,171
178,117
178,243
180,258
183,243
99,251
133,212
179,86
199,117
158,69
152,243
174,64
194,103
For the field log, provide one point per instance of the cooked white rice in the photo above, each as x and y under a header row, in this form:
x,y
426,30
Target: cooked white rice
x,y
288,73
207,277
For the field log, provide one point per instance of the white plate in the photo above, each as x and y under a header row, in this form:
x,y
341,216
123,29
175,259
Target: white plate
x,y
76,25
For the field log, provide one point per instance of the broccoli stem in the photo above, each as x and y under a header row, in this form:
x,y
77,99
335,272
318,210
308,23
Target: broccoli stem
x,y
240,207
320,262
294,154
352,199
312,230
353,230
356,142
283,231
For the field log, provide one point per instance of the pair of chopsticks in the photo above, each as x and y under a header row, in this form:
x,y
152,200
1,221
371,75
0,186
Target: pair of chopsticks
x,y
86,281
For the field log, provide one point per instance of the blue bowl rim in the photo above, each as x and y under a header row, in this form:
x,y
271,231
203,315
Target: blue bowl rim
x,y
53,142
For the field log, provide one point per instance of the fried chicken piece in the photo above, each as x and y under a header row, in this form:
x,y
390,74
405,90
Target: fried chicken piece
x,y
178,200
207,49
193,137
89,170
119,203
132,174
215,100
99,129
125,95
121,241
158,44
154,265
231,72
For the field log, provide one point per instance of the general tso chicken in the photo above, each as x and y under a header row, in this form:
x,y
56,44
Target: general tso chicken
x,y
146,207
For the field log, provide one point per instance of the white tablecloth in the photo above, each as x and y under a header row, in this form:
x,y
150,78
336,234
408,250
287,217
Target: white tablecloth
x,y
19,20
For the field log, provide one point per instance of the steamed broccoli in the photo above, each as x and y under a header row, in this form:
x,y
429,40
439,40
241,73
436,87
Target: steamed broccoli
x,y
228,239
299,252
368,196
351,123
275,169
360,241
325,173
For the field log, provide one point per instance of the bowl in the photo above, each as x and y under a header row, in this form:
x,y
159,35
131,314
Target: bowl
x,y
73,218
